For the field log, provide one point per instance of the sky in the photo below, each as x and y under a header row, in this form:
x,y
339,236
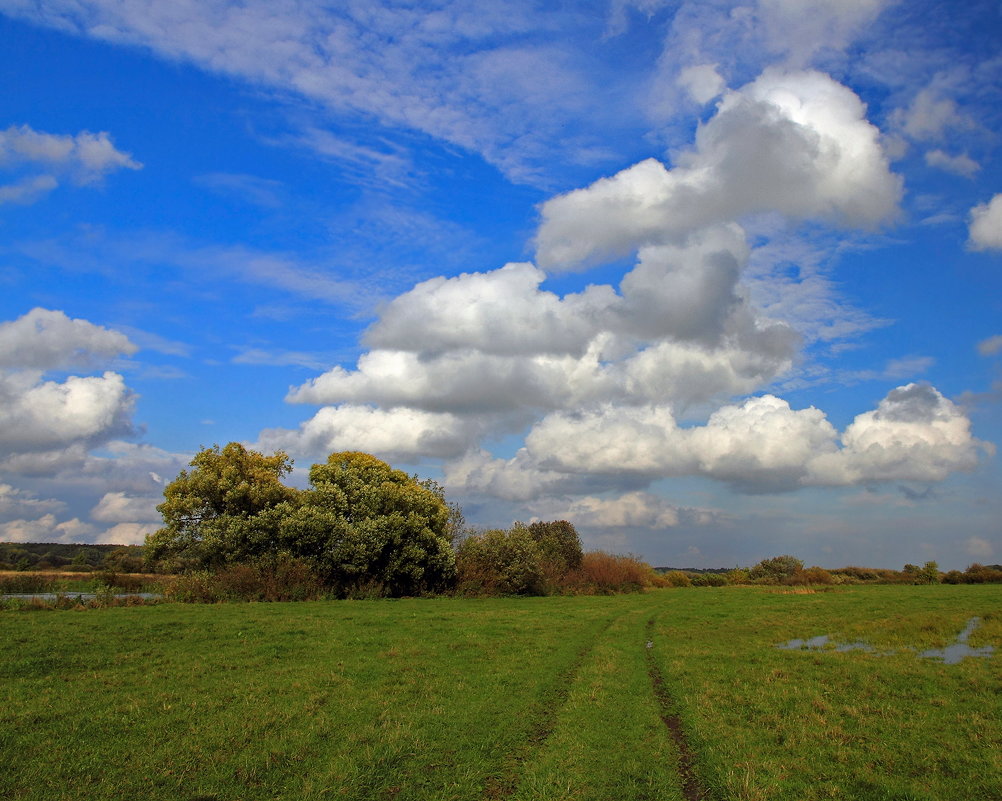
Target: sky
x,y
713,281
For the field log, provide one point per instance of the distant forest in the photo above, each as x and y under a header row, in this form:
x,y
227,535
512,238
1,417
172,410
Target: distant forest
x,y
67,556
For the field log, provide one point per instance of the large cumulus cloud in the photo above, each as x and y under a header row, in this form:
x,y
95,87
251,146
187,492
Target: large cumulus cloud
x,y
482,354
618,386
52,423
760,445
43,419
797,143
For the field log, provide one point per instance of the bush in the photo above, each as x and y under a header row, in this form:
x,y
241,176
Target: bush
x,y
272,578
775,569
812,575
678,578
981,574
25,583
122,582
559,549
738,575
604,573
864,575
500,562
709,580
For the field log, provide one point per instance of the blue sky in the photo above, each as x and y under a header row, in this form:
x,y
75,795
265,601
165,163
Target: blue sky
x,y
713,281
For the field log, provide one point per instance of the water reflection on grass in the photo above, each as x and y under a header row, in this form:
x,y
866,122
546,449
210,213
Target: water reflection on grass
x,y
951,655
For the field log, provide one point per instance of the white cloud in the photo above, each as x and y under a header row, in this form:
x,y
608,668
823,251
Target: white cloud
x,y
979,547
761,445
118,507
87,156
629,510
959,165
399,433
742,38
914,434
124,534
16,502
138,469
495,344
930,114
46,462
472,74
47,340
46,529
84,158
793,142
27,190
990,346
801,32
501,312
47,415
47,425
702,82
986,225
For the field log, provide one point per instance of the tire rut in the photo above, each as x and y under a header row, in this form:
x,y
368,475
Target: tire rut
x,y
692,788
505,785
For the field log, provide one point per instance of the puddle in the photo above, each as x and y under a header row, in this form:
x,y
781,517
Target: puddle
x,y
950,655
818,643
953,654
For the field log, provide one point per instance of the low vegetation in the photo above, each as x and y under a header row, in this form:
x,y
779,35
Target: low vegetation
x,y
494,698
234,531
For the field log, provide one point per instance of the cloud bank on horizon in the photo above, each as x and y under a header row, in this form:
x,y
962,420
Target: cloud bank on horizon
x,y
752,309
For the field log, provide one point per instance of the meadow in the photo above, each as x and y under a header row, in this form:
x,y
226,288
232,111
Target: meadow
x,y
672,694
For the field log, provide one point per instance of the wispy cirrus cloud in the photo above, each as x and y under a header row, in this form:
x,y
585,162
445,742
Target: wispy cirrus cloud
x,y
481,76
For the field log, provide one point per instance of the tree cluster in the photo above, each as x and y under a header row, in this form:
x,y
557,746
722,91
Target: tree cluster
x,y
361,529
359,524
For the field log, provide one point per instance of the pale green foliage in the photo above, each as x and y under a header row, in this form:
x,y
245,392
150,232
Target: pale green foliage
x,y
677,578
929,573
776,569
361,524
559,546
501,562
364,523
524,560
221,511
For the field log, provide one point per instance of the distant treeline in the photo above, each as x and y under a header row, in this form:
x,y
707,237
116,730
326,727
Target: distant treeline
x,y
790,571
693,569
70,556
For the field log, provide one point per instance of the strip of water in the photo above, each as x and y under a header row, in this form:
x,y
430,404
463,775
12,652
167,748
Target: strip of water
x,y
954,653
950,655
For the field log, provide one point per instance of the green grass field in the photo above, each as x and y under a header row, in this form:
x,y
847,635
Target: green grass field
x,y
538,698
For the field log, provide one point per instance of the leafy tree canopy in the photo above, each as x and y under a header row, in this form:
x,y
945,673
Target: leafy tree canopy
x,y
215,513
777,568
559,544
364,522
360,524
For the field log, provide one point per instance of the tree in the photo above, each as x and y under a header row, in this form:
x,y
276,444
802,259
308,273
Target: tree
x,y
776,569
559,544
223,510
499,562
363,523
929,574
